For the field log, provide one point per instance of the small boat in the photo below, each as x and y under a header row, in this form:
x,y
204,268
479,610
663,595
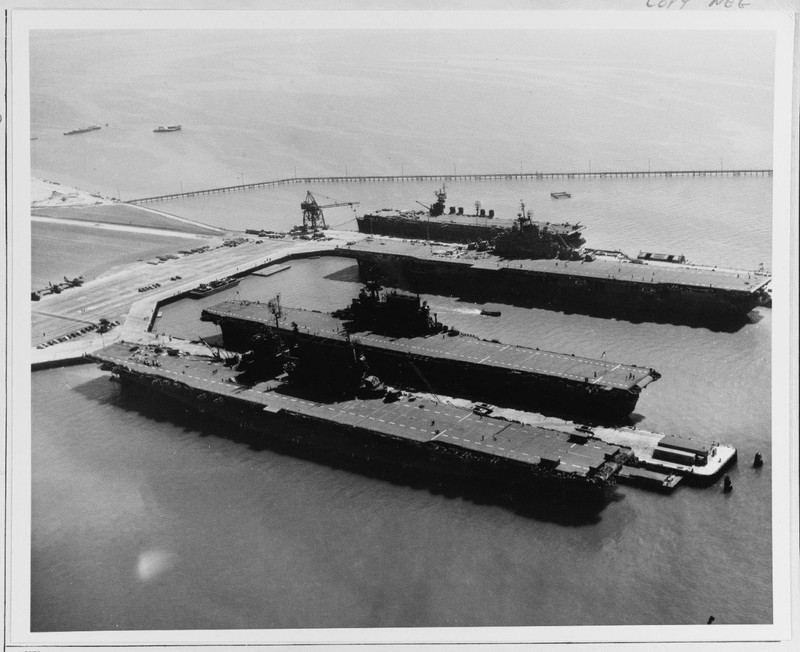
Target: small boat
x,y
81,130
164,129
560,195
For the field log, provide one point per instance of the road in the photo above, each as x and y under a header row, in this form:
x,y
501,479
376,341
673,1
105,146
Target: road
x,y
112,295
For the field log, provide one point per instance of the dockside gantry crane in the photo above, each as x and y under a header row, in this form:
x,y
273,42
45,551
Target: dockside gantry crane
x,y
313,217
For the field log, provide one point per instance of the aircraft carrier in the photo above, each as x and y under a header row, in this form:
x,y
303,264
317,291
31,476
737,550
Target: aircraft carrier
x,y
393,429
405,345
607,284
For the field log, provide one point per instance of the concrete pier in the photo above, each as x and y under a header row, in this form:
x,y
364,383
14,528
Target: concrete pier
x,y
115,296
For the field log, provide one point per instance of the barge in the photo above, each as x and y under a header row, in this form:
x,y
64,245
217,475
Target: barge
x,y
81,130
207,289
407,346
591,285
663,258
383,428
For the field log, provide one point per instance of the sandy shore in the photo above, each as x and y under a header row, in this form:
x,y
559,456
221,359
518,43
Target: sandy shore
x,y
80,233
51,193
122,227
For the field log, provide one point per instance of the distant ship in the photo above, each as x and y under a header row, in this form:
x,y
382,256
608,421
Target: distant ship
x,y
164,129
81,130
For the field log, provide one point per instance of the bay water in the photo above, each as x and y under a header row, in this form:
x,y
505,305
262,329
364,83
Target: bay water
x,y
144,517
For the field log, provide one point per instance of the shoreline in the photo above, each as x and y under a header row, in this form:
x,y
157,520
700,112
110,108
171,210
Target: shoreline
x,y
48,194
54,195
144,230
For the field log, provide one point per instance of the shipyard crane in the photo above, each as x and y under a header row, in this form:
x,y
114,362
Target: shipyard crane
x,y
313,218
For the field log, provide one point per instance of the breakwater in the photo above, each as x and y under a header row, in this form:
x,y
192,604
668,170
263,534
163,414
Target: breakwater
x,y
455,177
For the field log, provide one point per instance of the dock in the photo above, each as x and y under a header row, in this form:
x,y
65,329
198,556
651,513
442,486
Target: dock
x,y
503,176
115,296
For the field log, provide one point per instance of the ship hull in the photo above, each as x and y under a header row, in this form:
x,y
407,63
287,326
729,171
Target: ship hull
x,y
548,394
377,454
597,296
462,230
435,229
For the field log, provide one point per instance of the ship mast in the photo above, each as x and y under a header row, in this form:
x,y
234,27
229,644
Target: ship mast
x,y
274,306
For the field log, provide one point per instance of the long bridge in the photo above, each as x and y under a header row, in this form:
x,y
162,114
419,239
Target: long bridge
x,y
378,178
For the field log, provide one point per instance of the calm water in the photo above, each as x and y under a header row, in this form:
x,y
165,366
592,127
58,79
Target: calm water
x,y
146,519
266,105
143,519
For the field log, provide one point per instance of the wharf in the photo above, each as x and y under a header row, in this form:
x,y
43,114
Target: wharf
x,y
115,296
411,419
462,348
699,277
399,178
